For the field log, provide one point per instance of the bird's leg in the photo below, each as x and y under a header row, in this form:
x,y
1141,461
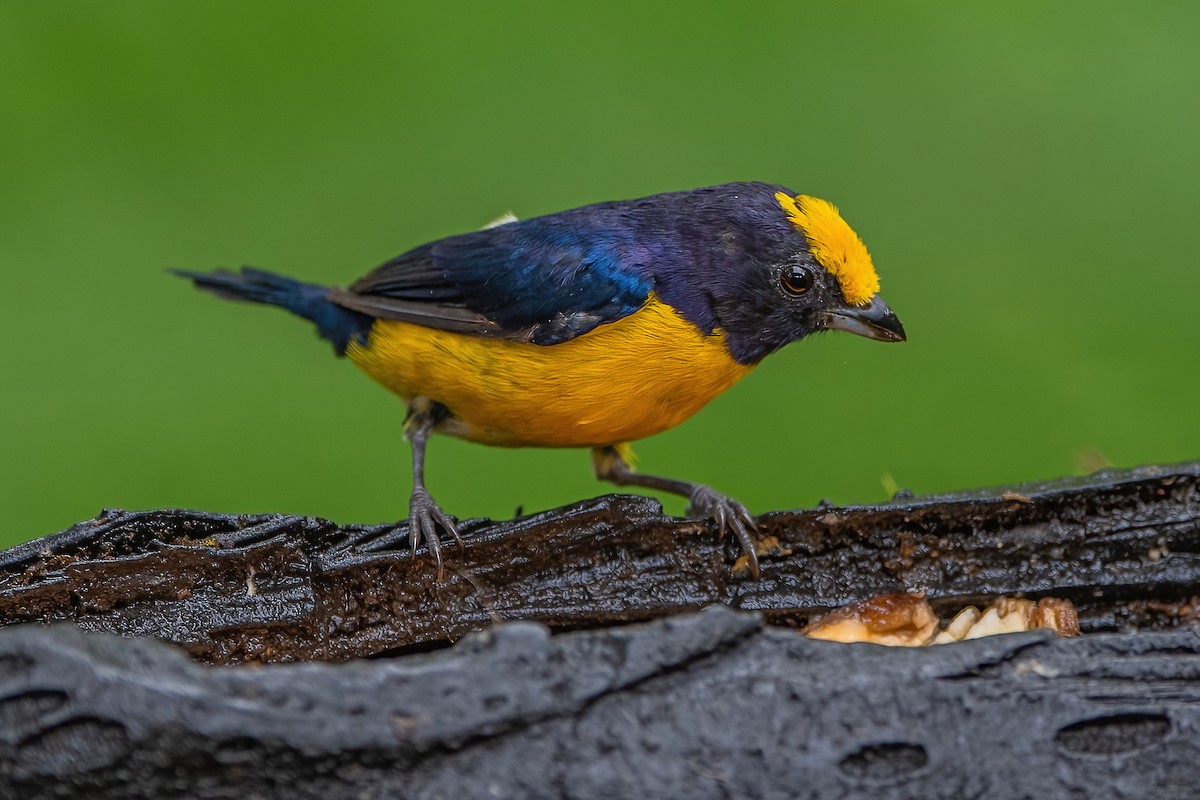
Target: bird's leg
x,y
612,464
425,517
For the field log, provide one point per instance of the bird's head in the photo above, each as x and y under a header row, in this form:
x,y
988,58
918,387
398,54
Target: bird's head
x,y
800,269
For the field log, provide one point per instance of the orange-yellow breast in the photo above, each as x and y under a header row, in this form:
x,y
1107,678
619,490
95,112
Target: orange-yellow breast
x,y
623,381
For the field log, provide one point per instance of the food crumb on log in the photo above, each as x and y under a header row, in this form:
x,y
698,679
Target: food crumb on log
x,y
908,620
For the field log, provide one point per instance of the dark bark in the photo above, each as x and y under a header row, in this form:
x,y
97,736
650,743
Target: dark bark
x,y
1122,546
716,704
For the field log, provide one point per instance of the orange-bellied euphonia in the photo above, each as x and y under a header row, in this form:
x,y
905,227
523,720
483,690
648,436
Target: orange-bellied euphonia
x,y
591,327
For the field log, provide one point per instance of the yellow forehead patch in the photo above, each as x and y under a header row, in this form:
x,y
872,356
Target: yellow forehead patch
x,y
834,244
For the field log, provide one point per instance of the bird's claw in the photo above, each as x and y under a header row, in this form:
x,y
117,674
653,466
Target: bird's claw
x,y
729,514
426,523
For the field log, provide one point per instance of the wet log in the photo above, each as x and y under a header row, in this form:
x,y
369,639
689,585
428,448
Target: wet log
x,y
1123,546
109,632
707,705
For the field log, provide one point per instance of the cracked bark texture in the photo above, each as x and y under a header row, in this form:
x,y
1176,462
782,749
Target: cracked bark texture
x,y
720,703
1123,546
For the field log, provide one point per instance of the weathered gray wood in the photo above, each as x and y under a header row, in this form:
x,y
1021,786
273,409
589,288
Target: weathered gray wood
x,y
707,705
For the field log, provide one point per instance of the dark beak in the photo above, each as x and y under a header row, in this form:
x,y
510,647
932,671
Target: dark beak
x,y
874,321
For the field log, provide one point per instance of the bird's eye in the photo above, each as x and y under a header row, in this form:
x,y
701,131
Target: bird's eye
x,y
796,280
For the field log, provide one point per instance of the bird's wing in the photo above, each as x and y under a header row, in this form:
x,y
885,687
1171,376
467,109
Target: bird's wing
x,y
543,280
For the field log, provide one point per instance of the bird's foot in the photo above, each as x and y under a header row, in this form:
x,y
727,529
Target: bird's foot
x,y
729,514
426,523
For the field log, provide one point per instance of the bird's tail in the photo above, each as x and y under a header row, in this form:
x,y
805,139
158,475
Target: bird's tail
x,y
338,325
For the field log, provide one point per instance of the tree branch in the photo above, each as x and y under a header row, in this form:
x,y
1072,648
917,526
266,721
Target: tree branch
x,y
230,589
712,704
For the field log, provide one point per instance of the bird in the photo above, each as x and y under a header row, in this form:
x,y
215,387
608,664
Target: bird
x,y
591,327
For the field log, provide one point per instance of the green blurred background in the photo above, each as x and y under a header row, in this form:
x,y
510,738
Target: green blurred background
x,y
1025,176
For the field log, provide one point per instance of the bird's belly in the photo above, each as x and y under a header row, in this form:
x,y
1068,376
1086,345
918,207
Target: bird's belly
x,y
623,381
